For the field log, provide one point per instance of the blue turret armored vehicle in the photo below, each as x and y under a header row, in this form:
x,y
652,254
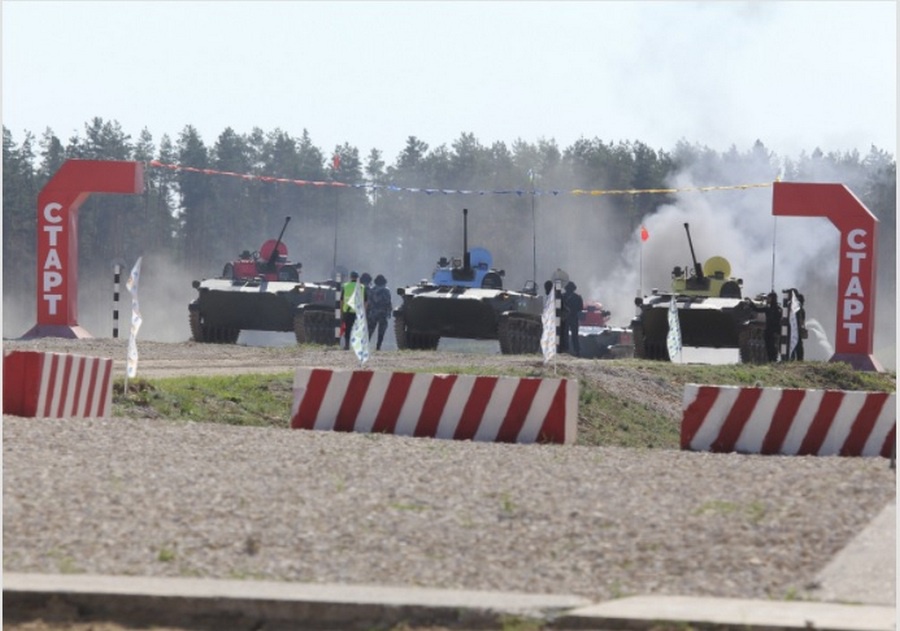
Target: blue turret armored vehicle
x,y
465,298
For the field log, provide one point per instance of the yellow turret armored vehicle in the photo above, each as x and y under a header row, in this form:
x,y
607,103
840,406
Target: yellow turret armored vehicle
x,y
712,313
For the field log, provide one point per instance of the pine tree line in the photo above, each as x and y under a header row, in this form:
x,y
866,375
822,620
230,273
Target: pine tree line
x,y
199,220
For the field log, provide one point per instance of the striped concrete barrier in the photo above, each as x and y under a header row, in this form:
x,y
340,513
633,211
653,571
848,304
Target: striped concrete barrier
x,y
788,421
460,407
56,385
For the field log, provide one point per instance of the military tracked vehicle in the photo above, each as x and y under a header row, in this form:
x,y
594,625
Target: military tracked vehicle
x,y
261,291
465,298
712,313
598,339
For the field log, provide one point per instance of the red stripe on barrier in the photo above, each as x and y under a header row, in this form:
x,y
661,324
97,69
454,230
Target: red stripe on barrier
x,y
79,384
863,424
736,420
106,390
65,390
353,398
474,409
47,403
887,449
305,418
518,410
696,413
821,423
553,429
435,400
394,397
14,367
782,419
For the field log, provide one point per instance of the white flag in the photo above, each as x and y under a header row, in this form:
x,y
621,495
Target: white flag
x,y
792,318
132,285
548,320
359,334
673,339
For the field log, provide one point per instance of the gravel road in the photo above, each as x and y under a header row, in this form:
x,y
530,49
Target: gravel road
x,y
159,498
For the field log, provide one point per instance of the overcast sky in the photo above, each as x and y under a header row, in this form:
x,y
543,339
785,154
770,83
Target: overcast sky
x,y
796,75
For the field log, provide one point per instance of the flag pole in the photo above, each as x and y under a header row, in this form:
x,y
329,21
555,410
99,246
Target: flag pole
x,y
641,274
533,229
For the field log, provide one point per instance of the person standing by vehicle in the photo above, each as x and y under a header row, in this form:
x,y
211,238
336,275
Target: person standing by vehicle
x,y
348,313
379,309
802,333
773,324
574,305
365,280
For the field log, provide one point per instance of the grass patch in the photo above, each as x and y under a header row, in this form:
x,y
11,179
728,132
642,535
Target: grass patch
x,y
254,400
608,415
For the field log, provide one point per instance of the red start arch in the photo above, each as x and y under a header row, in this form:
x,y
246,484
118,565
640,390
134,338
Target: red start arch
x,y
57,238
856,273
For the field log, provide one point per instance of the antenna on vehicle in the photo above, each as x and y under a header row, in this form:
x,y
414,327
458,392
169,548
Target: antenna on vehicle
x,y
467,261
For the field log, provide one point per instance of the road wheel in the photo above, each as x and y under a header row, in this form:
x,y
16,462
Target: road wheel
x,y
400,332
637,338
204,333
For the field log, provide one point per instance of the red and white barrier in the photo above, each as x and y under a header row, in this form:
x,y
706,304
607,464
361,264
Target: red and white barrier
x,y
461,407
56,385
788,421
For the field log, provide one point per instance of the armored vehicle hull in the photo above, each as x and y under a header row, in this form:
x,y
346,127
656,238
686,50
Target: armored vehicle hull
x,y
430,312
465,299
704,322
262,292
223,308
605,342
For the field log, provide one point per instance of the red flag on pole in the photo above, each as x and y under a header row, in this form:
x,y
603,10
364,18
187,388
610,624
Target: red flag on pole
x,y
336,162
644,234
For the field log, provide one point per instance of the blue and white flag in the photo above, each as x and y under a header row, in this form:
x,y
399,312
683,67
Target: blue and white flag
x,y
359,334
132,285
673,339
548,320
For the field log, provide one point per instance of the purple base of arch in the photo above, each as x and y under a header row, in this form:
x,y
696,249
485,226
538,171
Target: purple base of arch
x,y
858,361
56,330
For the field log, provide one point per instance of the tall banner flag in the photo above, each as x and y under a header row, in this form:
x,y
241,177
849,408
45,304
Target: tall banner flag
x,y
792,319
548,332
132,285
359,334
673,339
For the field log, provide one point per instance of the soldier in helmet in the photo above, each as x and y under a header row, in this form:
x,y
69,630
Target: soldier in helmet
x,y
379,309
773,324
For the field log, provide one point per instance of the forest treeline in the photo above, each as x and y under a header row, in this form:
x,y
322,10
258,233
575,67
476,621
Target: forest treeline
x,y
199,220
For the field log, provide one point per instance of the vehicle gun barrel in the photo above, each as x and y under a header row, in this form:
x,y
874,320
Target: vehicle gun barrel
x,y
697,267
274,255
